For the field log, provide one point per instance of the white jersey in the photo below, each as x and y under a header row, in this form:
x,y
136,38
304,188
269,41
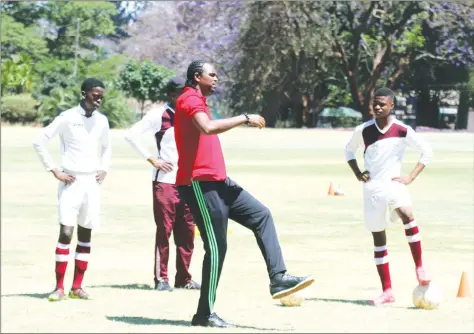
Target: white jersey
x,y
79,137
159,122
384,148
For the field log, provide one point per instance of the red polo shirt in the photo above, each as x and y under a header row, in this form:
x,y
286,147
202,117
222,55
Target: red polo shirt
x,y
200,156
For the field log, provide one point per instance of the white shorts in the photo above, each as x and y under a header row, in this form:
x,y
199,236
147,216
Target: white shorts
x,y
380,200
79,202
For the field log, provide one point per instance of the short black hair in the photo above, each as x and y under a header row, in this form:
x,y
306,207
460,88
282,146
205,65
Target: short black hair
x,y
90,83
385,91
175,84
196,66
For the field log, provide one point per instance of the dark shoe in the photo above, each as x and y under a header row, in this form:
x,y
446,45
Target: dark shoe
x,y
285,285
210,321
191,285
163,286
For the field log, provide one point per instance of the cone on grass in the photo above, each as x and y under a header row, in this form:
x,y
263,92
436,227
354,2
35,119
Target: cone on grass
x,y
464,290
331,190
339,191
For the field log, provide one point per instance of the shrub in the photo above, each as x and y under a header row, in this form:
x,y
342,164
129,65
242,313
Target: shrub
x,y
21,108
116,109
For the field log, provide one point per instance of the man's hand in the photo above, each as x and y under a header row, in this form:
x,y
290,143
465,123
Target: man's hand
x,y
406,180
63,177
364,177
100,176
257,121
165,166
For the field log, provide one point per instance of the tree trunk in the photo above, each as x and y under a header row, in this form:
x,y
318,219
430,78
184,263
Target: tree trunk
x,y
463,111
427,110
366,106
270,110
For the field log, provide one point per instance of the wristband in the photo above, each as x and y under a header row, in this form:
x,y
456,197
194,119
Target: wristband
x,y
247,119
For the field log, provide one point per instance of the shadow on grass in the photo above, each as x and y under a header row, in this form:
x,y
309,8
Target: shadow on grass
x,y
411,308
362,302
168,322
30,295
148,321
124,286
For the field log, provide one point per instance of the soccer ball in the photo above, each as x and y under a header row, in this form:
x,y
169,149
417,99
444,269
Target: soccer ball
x,y
427,296
295,299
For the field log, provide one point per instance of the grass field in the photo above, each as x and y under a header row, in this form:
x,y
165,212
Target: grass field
x,y
289,171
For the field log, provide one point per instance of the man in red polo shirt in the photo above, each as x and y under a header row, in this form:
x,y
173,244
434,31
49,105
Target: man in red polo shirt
x,y
213,198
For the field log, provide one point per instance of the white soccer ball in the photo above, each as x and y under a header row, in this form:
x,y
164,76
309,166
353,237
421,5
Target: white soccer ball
x,y
295,299
427,296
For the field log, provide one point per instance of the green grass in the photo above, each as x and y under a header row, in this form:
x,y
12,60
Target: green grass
x,y
289,171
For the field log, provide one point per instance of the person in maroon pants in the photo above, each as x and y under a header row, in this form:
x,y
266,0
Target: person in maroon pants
x,y
170,211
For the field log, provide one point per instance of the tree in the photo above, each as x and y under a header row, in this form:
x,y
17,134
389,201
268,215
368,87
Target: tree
x,y
144,81
190,30
26,13
59,100
466,101
369,43
17,38
94,20
446,34
285,62
127,12
53,73
376,42
17,74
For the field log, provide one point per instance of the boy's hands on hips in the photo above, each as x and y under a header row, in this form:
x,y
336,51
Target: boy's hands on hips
x,y
165,166
100,176
63,177
364,177
406,180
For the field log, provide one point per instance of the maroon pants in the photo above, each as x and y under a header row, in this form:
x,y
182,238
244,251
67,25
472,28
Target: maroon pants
x,y
172,215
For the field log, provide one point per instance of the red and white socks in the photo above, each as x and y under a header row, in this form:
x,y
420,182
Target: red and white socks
x,y
62,257
381,261
83,250
414,241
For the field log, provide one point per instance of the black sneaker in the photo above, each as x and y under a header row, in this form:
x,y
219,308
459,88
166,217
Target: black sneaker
x,y
288,284
210,321
163,286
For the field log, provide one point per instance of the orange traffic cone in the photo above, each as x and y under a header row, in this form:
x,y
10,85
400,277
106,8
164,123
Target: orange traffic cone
x,y
464,290
331,190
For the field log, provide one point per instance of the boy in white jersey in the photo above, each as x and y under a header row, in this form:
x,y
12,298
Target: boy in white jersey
x,y
80,130
385,139
170,211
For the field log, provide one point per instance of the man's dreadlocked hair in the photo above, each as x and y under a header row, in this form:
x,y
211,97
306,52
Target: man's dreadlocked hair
x,y
195,67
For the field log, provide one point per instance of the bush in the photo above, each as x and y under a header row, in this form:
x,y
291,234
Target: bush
x,y
19,108
59,100
116,109
344,122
